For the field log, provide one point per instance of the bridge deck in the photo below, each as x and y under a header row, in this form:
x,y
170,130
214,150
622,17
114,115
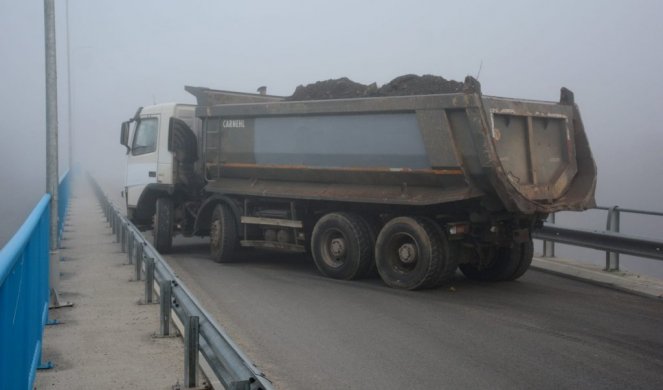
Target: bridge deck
x,y
306,331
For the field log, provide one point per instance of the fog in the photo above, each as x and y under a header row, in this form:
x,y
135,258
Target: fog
x,y
126,54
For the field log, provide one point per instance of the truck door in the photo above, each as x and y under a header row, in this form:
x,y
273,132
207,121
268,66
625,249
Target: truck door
x,y
143,158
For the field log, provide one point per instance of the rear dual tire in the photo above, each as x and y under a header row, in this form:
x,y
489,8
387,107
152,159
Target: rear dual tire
x,y
341,246
413,253
410,253
507,263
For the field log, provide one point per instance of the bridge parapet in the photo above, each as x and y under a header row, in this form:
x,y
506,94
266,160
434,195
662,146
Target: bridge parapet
x,y
24,293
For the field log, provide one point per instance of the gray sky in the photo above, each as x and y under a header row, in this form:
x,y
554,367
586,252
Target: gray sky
x,y
127,54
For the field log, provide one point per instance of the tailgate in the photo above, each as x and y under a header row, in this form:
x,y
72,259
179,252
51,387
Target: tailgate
x,y
535,145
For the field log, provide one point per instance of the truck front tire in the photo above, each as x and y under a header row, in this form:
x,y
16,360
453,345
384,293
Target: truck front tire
x,y
508,263
163,225
411,254
341,246
223,234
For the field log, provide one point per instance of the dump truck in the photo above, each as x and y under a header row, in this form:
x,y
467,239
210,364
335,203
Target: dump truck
x,y
411,187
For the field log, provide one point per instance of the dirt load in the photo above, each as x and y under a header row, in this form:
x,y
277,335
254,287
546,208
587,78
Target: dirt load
x,y
344,88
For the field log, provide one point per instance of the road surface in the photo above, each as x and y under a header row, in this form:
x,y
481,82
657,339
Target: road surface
x,y
306,331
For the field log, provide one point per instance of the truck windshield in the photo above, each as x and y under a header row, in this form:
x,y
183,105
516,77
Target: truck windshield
x,y
145,139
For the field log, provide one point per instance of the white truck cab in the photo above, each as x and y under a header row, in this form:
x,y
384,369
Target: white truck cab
x,y
165,181
149,162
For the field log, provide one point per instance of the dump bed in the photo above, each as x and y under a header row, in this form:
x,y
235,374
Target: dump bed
x,y
407,150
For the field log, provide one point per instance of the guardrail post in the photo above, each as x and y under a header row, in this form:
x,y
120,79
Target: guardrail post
x,y
112,220
191,334
125,234
139,261
131,246
118,227
149,279
549,246
165,297
612,258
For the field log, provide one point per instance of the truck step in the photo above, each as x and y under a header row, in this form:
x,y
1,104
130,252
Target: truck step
x,y
272,222
273,245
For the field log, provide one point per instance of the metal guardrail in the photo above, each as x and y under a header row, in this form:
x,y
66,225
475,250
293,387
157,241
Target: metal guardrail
x,y
610,240
201,333
24,293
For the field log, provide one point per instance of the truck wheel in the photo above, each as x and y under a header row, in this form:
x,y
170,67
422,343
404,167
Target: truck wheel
x,y
508,263
163,225
223,234
409,253
341,247
450,254
527,252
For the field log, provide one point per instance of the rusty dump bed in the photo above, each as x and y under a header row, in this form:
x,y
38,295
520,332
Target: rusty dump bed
x,y
407,150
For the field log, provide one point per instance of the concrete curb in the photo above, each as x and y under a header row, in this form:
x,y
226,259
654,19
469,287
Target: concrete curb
x,y
623,281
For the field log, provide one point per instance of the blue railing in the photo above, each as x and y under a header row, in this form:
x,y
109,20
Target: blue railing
x,y
24,292
24,299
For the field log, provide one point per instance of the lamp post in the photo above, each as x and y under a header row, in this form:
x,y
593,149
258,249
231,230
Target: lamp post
x,y
69,124
52,144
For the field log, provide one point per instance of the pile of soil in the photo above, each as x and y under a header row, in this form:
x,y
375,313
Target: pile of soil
x,y
345,88
342,88
411,84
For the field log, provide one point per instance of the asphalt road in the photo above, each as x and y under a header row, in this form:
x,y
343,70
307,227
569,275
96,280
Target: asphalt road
x,y
309,332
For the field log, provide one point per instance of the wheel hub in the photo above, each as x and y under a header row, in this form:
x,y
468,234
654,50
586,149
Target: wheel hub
x,y
337,247
407,253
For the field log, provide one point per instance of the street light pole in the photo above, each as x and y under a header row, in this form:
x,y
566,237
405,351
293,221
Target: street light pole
x,y
69,119
52,146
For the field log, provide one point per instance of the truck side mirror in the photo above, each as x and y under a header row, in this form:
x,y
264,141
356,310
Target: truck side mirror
x,y
124,136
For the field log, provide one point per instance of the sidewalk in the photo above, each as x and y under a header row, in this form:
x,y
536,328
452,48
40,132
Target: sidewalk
x,y
620,280
104,341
